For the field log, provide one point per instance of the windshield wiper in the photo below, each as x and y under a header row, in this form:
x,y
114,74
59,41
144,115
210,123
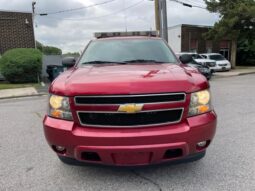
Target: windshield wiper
x,y
143,61
103,62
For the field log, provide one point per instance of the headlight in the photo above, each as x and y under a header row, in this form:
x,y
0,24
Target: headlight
x,y
59,107
200,103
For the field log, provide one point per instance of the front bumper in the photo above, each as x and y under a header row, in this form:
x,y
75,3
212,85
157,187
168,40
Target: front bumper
x,y
220,68
129,147
208,75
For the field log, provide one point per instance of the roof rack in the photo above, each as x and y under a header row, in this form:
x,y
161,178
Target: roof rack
x,y
125,34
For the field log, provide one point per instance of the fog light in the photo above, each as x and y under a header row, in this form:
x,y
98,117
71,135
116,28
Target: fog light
x,y
201,144
59,149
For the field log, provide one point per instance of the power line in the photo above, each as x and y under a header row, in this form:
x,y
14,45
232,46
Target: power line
x,y
75,9
195,2
102,16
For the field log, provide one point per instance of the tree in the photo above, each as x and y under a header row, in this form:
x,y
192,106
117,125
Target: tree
x,y
73,54
237,22
39,46
48,50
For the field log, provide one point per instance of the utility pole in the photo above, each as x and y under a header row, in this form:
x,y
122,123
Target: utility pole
x,y
164,26
157,16
161,18
33,23
33,19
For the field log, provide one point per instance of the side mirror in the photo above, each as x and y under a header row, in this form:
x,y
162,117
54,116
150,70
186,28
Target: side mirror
x,y
186,58
68,62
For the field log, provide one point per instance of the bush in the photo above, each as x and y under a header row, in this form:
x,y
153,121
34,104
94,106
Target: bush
x,y
22,65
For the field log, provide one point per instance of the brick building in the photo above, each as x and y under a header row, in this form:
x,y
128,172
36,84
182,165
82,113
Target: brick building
x,y
16,31
189,38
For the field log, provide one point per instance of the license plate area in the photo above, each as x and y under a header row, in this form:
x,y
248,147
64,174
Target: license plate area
x,y
131,158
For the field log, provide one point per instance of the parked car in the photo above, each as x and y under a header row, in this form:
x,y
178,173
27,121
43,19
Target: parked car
x,y
222,64
128,101
205,70
199,59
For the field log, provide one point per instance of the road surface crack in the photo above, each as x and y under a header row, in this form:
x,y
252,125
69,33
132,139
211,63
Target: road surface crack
x,y
147,179
38,114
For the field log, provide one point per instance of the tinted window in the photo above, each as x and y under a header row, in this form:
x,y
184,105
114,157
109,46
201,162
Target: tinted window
x,y
125,50
217,57
196,56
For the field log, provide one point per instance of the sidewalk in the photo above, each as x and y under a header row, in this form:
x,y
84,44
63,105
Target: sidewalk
x,y
24,92
19,92
236,72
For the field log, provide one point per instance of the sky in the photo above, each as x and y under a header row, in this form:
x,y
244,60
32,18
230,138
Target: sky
x,y
71,31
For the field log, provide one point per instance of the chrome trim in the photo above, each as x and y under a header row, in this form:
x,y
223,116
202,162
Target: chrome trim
x,y
138,95
130,126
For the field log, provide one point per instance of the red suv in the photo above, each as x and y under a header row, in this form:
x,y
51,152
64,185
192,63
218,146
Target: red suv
x,y
129,101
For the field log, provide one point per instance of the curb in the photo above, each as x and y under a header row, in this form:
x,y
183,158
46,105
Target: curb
x,y
227,76
242,74
24,96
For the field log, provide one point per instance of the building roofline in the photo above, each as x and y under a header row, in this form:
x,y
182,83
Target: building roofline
x,y
14,11
190,25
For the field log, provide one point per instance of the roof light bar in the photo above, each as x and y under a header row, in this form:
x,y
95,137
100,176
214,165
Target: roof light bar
x,y
125,34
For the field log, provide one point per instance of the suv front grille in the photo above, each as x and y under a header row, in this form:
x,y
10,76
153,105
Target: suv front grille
x,y
125,99
211,64
222,64
144,118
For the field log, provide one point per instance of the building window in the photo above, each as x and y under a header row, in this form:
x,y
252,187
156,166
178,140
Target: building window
x,y
225,48
209,46
193,45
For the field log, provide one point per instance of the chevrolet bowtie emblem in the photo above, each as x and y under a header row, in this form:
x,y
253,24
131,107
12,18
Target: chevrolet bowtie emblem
x,y
130,108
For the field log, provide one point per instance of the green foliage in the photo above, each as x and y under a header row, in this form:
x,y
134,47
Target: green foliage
x,y
237,17
237,22
39,46
48,50
5,85
21,65
246,52
73,54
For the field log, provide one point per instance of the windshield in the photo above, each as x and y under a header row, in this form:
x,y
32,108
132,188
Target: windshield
x,y
126,51
217,57
197,56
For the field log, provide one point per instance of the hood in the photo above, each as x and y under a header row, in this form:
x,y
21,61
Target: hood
x,y
204,60
128,79
222,62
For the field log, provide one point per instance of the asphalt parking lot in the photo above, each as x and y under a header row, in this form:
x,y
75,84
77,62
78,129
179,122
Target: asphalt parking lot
x,y
27,163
